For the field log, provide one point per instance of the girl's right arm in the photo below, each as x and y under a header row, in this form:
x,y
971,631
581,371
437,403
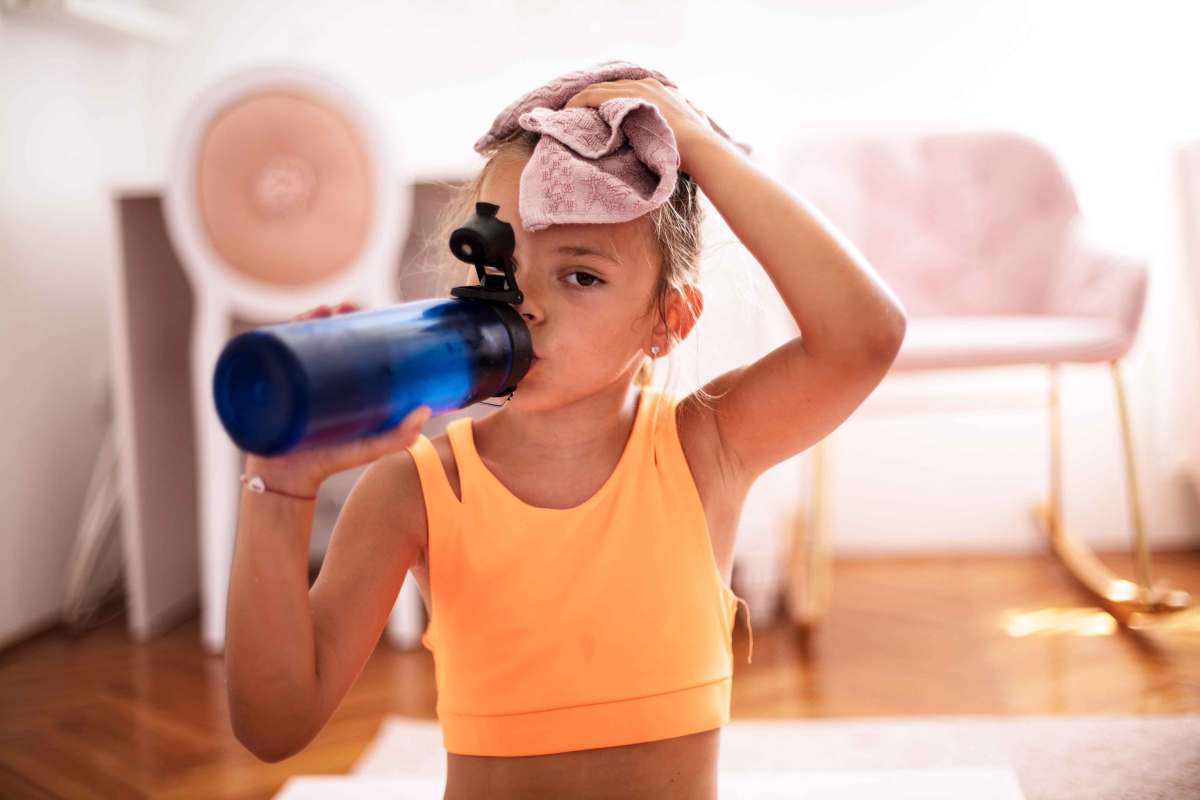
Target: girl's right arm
x,y
291,652
282,683
270,677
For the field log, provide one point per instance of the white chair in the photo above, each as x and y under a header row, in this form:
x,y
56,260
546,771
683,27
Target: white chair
x,y
282,195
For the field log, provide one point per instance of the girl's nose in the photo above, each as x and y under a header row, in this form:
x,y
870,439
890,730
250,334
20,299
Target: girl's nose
x,y
529,308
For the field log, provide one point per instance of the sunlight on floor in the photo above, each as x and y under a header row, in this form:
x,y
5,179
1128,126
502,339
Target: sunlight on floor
x,y
1059,621
1091,621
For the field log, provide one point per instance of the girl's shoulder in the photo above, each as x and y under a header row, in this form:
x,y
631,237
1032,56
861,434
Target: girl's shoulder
x,y
700,438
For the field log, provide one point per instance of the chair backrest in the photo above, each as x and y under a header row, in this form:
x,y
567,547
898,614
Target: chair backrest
x,y
285,193
959,223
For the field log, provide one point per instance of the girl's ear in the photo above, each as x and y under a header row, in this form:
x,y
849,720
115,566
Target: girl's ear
x,y
686,306
683,311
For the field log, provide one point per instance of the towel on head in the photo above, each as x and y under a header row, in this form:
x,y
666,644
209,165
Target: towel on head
x,y
592,165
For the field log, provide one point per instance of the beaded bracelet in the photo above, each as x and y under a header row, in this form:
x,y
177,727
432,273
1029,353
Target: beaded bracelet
x,y
256,484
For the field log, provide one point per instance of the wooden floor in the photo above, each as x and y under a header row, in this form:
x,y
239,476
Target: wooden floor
x,y
99,716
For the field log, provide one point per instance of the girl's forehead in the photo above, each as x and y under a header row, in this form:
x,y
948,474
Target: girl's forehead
x,y
501,187
616,241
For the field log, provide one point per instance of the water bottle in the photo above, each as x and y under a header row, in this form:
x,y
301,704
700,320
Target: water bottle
x,y
317,382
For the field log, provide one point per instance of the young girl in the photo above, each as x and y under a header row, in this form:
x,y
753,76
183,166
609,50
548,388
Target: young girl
x,y
574,548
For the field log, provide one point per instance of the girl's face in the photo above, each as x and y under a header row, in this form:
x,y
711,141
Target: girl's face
x,y
586,289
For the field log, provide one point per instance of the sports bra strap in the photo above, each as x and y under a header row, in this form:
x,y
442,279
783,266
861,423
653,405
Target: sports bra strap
x,y
435,484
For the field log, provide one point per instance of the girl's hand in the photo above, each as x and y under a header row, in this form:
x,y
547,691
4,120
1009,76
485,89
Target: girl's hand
x,y
302,473
687,121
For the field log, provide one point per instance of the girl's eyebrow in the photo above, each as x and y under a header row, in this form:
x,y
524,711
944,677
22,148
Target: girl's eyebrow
x,y
583,250
578,250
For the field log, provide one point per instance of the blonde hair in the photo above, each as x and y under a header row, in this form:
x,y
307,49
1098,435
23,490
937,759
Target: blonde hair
x,y
676,228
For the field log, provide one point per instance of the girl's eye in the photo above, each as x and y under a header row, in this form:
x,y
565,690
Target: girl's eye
x,y
594,280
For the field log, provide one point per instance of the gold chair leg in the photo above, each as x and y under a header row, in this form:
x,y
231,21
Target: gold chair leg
x,y
1132,604
810,571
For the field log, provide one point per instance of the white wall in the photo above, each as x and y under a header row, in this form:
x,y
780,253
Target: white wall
x,y
70,119
1108,86
1104,85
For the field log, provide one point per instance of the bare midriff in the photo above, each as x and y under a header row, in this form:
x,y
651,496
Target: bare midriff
x,y
669,769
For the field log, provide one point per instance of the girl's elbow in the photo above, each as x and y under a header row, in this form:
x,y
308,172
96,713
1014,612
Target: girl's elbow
x,y
263,740
267,749
886,342
883,346
275,756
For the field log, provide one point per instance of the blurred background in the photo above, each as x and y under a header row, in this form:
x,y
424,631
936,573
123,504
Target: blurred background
x,y
939,465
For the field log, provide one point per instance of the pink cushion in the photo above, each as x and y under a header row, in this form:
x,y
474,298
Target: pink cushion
x,y
980,236
957,342
1093,282
956,223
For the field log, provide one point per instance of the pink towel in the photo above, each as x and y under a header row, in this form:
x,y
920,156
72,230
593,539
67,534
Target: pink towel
x,y
592,165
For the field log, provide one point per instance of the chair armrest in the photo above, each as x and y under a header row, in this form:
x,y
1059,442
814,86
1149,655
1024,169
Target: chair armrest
x,y
1096,280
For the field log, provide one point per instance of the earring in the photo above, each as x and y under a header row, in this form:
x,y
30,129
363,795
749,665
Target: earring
x,y
653,361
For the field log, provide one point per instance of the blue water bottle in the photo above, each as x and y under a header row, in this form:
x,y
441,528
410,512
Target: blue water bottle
x,y
318,382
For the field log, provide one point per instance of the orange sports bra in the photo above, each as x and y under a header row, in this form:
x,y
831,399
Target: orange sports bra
x,y
555,630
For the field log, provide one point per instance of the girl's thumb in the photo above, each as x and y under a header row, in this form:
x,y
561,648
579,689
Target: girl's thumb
x,y
411,427
422,416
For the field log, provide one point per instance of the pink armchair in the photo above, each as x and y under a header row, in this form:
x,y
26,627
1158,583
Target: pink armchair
x,y
980,236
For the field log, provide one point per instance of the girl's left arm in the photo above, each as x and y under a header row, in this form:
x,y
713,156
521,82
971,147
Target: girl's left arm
x,y
851,323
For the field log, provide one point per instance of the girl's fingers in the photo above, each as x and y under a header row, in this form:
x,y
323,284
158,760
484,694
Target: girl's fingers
x,y
406,430
344,307
364,451
415,420
402,436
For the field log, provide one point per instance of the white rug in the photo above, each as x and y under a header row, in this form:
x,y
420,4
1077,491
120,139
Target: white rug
x,y
930,758
980,783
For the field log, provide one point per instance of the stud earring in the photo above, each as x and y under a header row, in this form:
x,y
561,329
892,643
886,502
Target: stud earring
x,y
653,362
